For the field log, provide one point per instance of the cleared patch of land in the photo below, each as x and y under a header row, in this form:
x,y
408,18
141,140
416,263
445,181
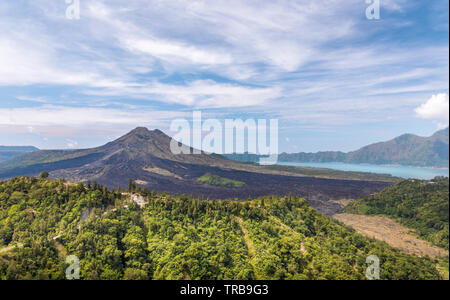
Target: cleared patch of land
x,y
162,172
62,251
141,182
389,231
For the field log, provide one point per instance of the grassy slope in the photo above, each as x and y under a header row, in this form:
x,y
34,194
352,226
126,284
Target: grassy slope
x,y
216,180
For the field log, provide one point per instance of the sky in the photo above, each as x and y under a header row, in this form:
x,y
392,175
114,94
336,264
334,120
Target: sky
x,y
334,79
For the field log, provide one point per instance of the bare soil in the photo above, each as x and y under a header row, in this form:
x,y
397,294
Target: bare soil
x,y
394,234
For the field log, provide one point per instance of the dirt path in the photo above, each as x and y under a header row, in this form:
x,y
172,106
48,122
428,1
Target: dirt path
x,y
391,232
4,250
248,242
250,246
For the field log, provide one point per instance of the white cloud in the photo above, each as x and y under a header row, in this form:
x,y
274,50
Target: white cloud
x,y
225,32
81,117
69,127
199,94
26,61
176,52
71,144
394,5
437,107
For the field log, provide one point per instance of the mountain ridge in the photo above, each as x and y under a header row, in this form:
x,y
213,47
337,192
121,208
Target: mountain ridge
x,y
9,152
407,149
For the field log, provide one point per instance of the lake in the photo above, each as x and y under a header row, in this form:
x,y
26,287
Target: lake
x,y
394,170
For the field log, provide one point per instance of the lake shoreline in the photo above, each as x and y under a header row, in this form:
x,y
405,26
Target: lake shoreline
x,y
424,173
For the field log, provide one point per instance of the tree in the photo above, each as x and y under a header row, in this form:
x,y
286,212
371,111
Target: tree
x,y
44,175
130,185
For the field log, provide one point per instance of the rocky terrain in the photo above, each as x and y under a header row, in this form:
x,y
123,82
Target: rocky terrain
x,y
145,157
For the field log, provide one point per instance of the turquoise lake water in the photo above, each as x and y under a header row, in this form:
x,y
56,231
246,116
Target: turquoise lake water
x,y
398,171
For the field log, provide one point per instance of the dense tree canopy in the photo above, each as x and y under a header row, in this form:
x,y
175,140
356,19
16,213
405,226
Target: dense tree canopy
x,y
180,237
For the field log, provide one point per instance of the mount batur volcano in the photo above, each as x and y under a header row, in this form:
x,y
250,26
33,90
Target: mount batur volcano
x,y
145,157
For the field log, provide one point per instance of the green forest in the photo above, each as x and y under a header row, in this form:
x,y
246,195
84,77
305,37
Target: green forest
x,y
42,221
421,205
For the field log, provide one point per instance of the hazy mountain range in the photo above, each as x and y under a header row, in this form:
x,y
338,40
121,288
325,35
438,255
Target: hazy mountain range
x,y
407,149
145,157
9,152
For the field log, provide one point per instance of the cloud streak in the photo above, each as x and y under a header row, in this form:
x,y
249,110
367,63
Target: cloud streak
x,y
49,115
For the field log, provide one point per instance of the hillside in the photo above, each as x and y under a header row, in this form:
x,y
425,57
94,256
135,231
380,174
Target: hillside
x,y
44,220
145,157
10,152
407,149
419,205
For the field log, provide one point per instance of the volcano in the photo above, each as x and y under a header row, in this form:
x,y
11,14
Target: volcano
x,y
145,157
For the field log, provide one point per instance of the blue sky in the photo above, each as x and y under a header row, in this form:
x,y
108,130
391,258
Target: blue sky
x,y
333,78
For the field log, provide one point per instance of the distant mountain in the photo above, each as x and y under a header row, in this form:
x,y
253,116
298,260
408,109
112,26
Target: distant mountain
x,y
327,156
9,152
407,149
145,157
330,156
